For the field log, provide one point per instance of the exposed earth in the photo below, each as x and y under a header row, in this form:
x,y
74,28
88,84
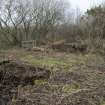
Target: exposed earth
x,y
30,78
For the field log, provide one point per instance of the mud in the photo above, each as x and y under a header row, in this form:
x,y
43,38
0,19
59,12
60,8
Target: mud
x,y
13,74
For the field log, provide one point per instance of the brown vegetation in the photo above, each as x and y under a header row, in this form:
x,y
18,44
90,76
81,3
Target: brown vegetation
x,y
64,63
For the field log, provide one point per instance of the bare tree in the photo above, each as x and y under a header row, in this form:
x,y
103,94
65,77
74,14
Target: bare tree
x,y
24,20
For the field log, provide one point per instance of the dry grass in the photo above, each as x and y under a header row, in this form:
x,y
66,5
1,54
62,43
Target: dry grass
x,y
75,79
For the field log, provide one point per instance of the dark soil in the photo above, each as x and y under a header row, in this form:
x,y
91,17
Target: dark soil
x,y
13,74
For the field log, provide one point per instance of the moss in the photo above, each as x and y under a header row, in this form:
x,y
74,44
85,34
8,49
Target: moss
x,y
70,88
103,103
50,62
40,82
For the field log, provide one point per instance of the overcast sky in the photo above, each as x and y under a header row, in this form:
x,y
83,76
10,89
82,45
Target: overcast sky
x,y
84,4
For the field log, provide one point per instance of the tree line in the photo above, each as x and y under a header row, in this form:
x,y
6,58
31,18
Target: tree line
x,y
44,20
25,20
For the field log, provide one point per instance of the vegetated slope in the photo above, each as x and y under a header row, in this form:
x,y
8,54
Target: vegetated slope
x,y
80,82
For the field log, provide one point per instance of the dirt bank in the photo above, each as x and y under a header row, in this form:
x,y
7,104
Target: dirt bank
x,y
13,74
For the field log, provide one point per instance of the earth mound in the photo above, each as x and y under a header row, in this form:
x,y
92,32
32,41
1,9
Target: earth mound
x,y
13,74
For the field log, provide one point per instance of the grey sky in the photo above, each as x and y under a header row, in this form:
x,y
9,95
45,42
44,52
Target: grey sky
x,y
84,4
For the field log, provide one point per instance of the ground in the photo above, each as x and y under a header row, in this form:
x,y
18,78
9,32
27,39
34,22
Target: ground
x,y
61,78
